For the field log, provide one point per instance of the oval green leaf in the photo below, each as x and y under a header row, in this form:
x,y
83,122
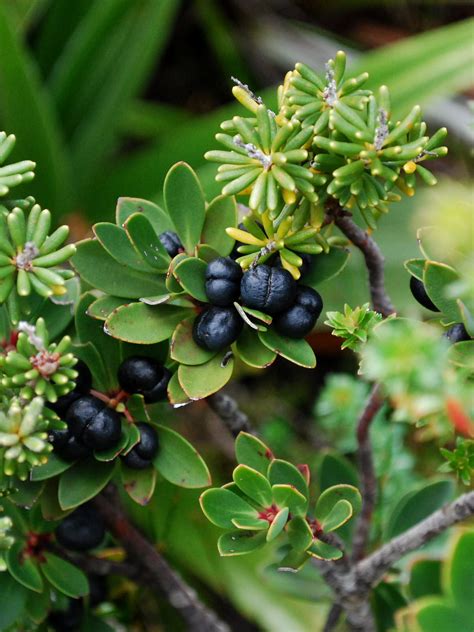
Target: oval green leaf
x,y
203,380
252,351
253,484
139,484
65,577
143,324
221,507
278,524
24,570
83,481
295,350
184,350
191,275
240,542
283,473
144,238
127,206
333,495
338,516
179,462
116,242
220,214
251,451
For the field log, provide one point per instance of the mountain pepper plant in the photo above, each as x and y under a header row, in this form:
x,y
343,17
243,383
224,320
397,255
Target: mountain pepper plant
x,y
101,339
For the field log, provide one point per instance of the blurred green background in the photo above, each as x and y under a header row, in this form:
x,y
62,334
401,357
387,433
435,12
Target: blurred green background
x,y
105,95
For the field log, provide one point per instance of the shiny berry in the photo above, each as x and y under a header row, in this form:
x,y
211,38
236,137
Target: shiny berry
x,y
171,243
82,530
268,289
145,376
93,423
419,292
67,446
299,319
142,454
223,277
217,327
457,333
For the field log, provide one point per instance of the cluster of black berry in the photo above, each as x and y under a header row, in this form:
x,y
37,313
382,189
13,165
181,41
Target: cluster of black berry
x,y
270,289
93,424
457,332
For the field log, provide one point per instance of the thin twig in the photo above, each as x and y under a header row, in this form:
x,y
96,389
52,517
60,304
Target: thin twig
x,y
367,473
374,261
229,412
372,568
155,568
333,617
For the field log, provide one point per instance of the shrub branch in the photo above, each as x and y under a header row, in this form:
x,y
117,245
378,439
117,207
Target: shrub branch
x,y
230,414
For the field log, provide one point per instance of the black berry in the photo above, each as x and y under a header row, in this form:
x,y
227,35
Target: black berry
x,y
223,277
217,327
69,619
457,333
142,454
82,530
95,425
268,289
171,243
418,290
299,319
145,376
67,446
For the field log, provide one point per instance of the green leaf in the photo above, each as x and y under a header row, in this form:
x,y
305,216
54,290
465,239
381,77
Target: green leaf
x,y
425,578
184,350
251,451
289,496
88,353
37,607
176,395
104,306
206,253
458,572
293,561
326,266
435,613
467,317
250,523
23,569
203,380
13,601
323,551
27,493
191,275
100,270
295,350
142,324
416,505
328,499
278,524
283,473
300,535
437,277
179,462
415,267
335,469
139,484
25,108
116,242
50,508
65,577
143,236
338,516
240,542
185,204
462,354
220,214
83,481
111,453
252,351
54,466
157,217
221,507
133,438
253,484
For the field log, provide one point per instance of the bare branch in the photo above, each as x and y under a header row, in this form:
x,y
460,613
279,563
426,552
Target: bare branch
x,y
229,412
333,617
371,569
155,568
367,473
374,261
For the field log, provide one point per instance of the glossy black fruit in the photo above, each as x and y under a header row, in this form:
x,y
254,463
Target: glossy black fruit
x,y
171,243
82,530
145,376
268,289
141,455
299,319
457,333
217,327
83,386
223,277
418,290
69,619
67,446
93,423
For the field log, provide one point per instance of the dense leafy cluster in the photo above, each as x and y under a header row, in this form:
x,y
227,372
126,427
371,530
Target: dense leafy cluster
x,y
269,497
